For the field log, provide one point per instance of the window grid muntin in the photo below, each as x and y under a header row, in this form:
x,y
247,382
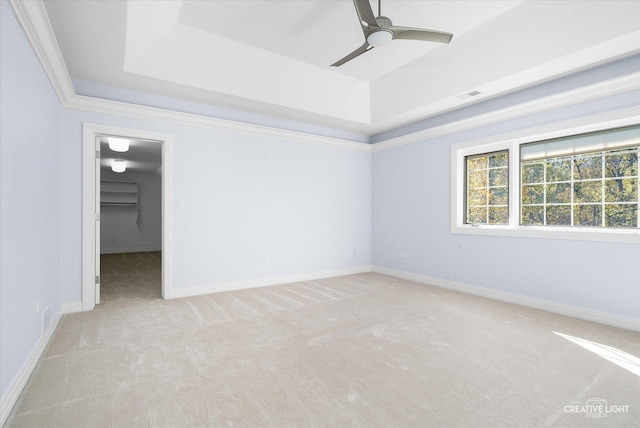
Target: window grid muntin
x,y
603,154
487,205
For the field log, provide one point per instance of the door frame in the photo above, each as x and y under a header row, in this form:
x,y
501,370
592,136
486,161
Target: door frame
x,y
90,131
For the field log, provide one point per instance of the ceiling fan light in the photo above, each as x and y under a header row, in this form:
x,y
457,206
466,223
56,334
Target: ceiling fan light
x,y
379,38
118,165
118,144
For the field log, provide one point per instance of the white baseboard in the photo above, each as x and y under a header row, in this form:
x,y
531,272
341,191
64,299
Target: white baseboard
x,y
263,282
20,380
518,299
131,249
71,307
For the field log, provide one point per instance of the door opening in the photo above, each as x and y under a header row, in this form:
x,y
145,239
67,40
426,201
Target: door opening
x,y
126,213
129,227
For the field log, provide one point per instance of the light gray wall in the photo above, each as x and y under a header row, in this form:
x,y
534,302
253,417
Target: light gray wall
x,y
30,198
98,90
411,214
119,231
576,80
306,208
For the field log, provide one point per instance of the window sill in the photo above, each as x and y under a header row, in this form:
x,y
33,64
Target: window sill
x,y
551,232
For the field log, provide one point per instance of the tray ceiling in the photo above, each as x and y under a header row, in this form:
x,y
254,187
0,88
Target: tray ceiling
x,y
272,57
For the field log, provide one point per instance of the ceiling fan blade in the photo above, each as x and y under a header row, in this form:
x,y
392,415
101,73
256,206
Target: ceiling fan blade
x,y
409,33
363,9
362,49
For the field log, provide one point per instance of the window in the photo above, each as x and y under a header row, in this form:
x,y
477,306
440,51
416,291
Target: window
x,y
593,188
578,182
487,184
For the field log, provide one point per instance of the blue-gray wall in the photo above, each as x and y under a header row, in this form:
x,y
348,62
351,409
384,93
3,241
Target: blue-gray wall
x,y
30,197
411,214
306,208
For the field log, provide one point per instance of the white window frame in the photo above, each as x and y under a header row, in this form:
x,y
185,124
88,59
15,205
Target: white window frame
x,y
512,143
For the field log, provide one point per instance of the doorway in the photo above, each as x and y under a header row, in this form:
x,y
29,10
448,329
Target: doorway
x,y
126,214
129,265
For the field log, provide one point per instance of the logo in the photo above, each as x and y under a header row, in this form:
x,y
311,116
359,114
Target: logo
x,y
597,408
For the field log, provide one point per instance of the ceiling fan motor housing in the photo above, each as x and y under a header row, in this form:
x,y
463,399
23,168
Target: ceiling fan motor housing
x,y
384,22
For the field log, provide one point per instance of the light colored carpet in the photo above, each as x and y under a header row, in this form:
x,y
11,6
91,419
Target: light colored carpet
x,y
364,350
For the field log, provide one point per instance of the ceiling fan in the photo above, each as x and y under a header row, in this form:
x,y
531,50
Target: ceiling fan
x,y
378,31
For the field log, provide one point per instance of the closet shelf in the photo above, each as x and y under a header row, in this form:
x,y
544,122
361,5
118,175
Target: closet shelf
x,y
120,194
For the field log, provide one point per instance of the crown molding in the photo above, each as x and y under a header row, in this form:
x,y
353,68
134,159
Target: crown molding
x,y
98,105
32,17
592,92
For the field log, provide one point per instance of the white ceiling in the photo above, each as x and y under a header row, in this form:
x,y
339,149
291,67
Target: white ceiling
x,y
272,57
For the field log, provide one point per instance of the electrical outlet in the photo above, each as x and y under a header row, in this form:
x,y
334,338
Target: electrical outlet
x,y
264,260
180,203
404,256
